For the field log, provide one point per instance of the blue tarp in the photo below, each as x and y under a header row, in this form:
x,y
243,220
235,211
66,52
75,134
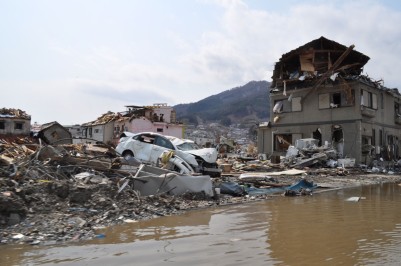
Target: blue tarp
x,y
235,189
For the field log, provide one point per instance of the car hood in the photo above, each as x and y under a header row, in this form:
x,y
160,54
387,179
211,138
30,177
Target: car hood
x,y
207,154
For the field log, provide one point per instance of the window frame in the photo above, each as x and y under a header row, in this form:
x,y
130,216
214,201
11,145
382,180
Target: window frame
x,y
18,126
369,99
295,105
326,100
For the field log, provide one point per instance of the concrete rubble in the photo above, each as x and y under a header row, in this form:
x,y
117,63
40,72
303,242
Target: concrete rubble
x,y
66,192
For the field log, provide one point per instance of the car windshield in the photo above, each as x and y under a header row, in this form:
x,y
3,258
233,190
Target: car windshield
x,y
187,146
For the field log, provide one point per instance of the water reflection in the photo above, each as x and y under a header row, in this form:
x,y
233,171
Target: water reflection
x,y
322,229
327,229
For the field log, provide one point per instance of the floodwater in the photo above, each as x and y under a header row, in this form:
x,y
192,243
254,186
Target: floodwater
x,y
323,229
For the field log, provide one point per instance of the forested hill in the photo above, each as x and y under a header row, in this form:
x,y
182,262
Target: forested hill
x,y
240,104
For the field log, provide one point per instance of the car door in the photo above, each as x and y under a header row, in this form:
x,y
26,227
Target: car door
x,y
160,145
142,146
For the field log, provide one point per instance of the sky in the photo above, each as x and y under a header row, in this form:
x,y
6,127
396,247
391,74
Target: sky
x,y
73,60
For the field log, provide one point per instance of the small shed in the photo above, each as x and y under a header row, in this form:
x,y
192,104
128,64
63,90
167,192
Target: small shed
x,y
54,133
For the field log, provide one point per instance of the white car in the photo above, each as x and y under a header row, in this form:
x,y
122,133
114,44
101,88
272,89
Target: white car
x,y
149,147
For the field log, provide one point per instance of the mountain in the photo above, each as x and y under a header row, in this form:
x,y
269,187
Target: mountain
x,y
249,102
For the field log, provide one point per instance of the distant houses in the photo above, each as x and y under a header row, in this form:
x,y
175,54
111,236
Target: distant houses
x,y
107,128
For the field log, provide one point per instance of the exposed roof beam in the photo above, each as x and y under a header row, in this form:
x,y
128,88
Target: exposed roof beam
x,y
329,71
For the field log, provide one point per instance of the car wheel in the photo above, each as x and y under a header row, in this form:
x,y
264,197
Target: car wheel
x,y
128,155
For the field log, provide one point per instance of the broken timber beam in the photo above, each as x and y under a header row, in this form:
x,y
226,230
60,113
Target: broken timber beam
x,y
329,71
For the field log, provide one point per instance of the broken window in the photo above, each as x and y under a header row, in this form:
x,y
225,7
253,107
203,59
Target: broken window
x,y
397,109
293,104
318,135
2,125
390,140
147,138
282,142
381,137
366,140
335,100
278,107
18,126
369,99
367,147
160,141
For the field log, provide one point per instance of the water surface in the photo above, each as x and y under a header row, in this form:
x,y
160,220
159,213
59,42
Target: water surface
x,y
323,229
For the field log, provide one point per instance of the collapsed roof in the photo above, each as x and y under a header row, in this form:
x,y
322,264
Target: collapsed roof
x,y
13,113
103,119
317,59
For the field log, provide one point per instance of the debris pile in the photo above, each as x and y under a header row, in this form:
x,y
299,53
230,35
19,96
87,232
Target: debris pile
x,y
58,193
65,192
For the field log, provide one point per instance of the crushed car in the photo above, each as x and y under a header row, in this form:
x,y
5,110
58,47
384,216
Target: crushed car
x,y
182,155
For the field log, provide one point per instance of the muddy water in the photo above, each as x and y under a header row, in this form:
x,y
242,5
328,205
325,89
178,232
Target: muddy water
x,y
324,229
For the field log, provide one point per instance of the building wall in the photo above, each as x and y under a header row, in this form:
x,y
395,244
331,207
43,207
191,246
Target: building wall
x,y
142,124
75,130
108,133
15,126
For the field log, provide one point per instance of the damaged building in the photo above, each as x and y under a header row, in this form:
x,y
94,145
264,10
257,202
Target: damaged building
x,y
158,118
54,133
14,122
318,91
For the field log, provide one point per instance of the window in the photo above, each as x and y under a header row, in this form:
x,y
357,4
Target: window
x,y
336,99
287,105
18,126
366,140
2,125
159,130
147,138
282,142
97,130
368,99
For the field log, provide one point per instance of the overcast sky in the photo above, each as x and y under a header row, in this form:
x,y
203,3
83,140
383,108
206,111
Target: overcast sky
x,y
72,60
